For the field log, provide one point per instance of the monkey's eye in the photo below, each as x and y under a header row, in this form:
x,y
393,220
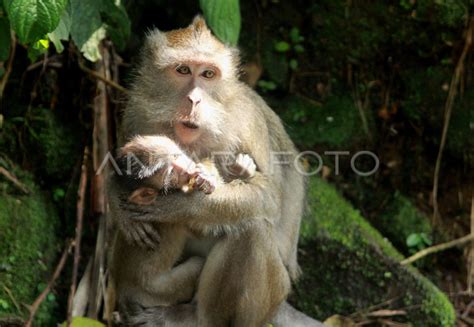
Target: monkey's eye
x,y
184,70
208,73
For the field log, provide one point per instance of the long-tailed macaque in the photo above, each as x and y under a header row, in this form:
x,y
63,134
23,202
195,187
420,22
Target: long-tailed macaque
x,y
187,89
150,278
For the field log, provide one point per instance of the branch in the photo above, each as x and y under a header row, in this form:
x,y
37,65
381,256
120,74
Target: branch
x,y
77,241
34,307
470,270
447,113
438,248
102,78
14,180
8,69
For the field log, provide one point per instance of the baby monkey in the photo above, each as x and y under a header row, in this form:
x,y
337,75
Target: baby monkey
x,y
152,278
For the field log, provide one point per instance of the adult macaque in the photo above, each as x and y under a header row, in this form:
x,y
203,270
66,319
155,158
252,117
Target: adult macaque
x,y
150,278
187,89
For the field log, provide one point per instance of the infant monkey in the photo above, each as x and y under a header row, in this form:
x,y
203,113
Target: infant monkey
x,y
152,278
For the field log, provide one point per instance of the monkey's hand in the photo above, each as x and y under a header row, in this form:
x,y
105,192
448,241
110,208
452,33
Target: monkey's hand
x,y
205,179
244,167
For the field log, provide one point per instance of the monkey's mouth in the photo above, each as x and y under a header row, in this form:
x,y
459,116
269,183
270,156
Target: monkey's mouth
x,y
190,125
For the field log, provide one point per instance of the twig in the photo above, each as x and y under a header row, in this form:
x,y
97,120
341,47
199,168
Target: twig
x,y
438,248
34,307
102,78
361,108
470,271
77,241
8,69
447,114
14,180
10,295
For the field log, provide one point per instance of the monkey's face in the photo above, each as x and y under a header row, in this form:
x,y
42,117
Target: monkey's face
x,y
197,112
185,89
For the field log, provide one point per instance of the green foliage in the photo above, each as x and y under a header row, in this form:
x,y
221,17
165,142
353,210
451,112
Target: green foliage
x,y
335,123
418,241
39,48
223,18
88,22
402,222
61,33
449,12
31,19
4,38
86,28
266,86
116,22
53,142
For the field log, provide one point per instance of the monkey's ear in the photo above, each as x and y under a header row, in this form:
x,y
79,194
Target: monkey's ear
x,y
154,41
199,24
143,196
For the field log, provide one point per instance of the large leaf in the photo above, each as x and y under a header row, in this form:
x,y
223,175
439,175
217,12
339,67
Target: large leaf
x,y
87,29
223,18
83,322
117,22
61,33
32,19
4,38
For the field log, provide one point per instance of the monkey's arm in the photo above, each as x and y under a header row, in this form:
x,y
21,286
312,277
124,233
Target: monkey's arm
x,y
230,204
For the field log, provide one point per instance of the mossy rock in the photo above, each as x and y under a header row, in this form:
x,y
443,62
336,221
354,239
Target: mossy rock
x,y
349,267
28,246
399,220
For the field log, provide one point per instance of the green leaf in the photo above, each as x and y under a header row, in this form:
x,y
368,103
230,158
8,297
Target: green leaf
x,y
61,33
87,29
116,22
4,304
282,46
223,18
83,322
413,240
32,19
4,38
294,34
299,48
426,239
293,64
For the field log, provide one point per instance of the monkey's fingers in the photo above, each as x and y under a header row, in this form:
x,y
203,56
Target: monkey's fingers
x,y
205,185
145,236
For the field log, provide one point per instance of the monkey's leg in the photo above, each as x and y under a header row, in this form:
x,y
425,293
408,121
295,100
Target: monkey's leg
x,y
243,280
178,284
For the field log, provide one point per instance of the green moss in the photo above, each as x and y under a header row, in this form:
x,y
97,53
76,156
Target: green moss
x,y
336,123
29,245
400,219
349,266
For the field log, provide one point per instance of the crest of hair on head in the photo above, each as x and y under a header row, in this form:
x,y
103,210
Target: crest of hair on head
x,y
194,43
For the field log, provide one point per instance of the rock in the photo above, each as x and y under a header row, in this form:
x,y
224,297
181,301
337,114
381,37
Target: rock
x,y
28,248
349,267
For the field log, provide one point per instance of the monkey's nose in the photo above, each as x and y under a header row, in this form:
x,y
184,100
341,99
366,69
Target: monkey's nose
x,y
195,96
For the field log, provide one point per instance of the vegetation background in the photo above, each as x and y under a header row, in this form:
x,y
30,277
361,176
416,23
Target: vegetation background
x,y
394,78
